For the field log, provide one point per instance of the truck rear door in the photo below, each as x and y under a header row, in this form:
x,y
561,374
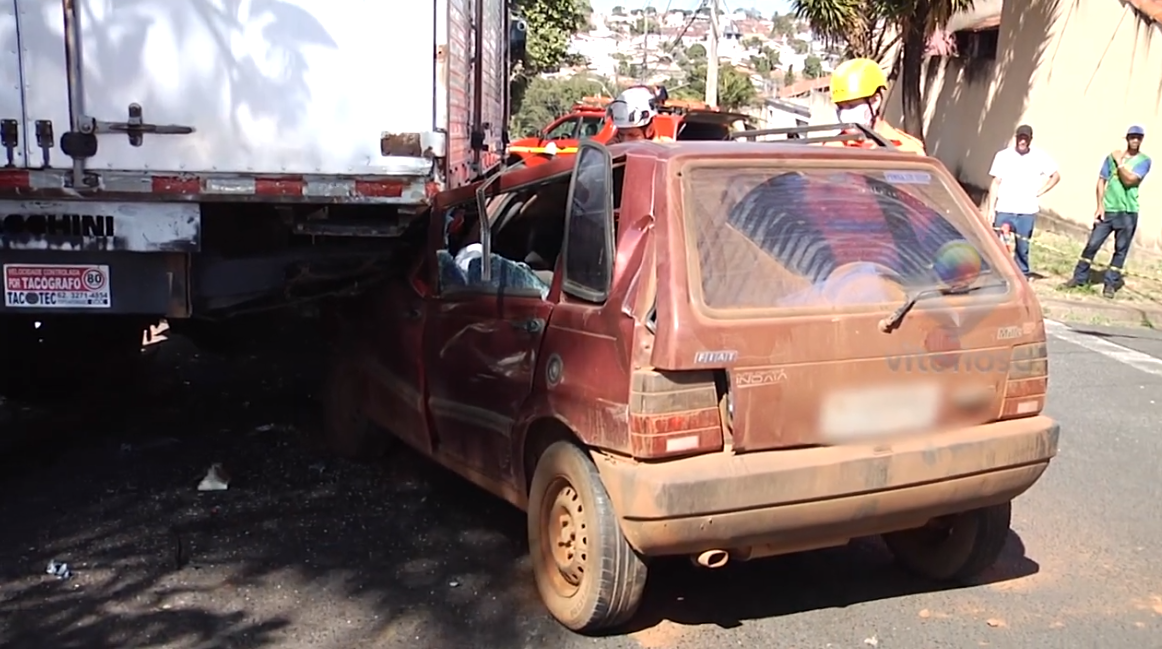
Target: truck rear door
x,y
251,87
12,130
793,269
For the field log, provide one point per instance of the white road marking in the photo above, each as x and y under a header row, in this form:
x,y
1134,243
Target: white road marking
x,y
1124,355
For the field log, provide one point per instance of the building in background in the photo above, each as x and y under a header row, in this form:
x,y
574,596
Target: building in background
x,y
1078,71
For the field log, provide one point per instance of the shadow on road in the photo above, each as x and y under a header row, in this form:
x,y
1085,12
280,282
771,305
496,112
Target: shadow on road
x,y
304,551
834,578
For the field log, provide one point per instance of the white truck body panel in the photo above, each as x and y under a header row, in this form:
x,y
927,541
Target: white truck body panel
x,y
11,102
270,87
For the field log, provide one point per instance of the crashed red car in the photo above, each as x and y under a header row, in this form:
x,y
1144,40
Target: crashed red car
x,y
718,350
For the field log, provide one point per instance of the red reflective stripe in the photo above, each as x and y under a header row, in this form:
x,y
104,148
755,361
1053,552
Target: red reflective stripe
x,y
278,186
176,185
379,188
14,179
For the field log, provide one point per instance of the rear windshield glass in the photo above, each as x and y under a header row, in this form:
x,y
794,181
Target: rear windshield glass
x,y
773,238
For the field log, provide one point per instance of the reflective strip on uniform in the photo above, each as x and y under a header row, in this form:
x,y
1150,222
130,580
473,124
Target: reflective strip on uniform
x,y
541,149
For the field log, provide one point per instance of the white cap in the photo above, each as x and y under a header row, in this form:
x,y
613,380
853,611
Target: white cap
x,y
633,108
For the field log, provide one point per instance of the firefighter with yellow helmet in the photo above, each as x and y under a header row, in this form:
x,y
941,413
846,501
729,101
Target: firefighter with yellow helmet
x,y
859,90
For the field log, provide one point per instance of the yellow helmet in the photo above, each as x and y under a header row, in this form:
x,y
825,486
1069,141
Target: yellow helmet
x,y
856,79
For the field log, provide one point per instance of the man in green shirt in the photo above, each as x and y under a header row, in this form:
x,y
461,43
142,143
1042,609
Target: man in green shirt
x,y
1117,210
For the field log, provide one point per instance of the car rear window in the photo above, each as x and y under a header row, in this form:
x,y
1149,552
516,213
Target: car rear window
x,y
769,237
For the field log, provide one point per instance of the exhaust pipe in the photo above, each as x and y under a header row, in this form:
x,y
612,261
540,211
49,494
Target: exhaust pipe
x,y
712,559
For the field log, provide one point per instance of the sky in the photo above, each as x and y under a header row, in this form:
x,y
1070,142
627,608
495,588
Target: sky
x,y
767,7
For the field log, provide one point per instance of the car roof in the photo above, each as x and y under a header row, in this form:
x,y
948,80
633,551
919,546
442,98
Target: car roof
x,y
680,151
779,149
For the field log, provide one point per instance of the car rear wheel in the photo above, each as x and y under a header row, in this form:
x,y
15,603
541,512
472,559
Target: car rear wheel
x,y
587,574
954,548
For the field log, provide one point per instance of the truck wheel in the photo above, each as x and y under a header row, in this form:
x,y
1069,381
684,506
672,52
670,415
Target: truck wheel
x,y
587,574
96,353
347,430
954,548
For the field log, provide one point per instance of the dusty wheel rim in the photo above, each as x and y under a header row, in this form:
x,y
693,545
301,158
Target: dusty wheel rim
x,y
564,537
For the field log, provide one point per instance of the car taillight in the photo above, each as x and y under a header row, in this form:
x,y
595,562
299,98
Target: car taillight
x,y
673,413
1028,381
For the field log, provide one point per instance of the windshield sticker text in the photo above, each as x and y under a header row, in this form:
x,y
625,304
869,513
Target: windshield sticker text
x,y
908,177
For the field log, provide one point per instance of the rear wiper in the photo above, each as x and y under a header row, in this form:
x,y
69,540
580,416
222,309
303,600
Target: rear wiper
x,y
893,321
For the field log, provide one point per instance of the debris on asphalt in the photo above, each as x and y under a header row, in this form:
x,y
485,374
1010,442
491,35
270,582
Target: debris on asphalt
x,y
58,569
871,641
216,479
996,623
925,613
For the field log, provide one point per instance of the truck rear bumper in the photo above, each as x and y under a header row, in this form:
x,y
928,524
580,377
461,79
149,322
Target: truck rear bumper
x,y
776,502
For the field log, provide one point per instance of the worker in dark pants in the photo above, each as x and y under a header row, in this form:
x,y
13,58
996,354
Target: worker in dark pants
x,y
1117,211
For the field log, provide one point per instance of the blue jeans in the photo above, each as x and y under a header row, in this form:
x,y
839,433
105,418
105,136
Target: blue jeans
x,y
1022,226
1122,225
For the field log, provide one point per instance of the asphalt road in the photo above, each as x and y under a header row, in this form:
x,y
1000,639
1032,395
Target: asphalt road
x,y
308,553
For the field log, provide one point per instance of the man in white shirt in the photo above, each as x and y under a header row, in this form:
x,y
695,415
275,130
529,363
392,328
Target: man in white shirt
x,y
1021,176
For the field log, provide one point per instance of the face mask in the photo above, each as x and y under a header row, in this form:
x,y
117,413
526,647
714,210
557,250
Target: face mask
x,y
861,114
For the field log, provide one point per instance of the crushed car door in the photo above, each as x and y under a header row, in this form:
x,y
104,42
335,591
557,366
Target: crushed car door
x,y
397,365
481,354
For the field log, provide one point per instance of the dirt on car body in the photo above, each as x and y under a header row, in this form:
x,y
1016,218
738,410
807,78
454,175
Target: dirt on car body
x,y
714,349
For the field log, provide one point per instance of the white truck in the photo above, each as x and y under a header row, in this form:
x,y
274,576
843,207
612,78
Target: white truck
x,y
199,158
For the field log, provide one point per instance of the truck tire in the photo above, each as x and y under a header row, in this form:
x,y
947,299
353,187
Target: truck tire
x,y
100,352
955,548
347,431
588,576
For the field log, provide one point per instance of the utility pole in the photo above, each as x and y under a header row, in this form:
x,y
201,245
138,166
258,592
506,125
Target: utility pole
x,y
712,57
645,44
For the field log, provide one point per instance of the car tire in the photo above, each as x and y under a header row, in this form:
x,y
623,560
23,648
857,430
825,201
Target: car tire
x,y
347,431
593,580
958,548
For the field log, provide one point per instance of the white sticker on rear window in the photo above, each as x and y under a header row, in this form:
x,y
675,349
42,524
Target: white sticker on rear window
x,y
908,177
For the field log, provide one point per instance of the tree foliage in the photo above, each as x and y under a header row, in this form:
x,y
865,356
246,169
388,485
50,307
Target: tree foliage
x,y
735,89
548,99
812,67
864,24
550,25
783,25
765,61
645,25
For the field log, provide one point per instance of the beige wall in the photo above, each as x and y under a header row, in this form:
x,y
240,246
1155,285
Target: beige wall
x,y
1079,72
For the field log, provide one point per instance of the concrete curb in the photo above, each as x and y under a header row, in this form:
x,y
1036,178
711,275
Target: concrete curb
x,y
1095,312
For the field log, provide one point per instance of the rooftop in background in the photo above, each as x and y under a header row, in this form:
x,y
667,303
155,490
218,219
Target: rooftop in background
x,y
805,87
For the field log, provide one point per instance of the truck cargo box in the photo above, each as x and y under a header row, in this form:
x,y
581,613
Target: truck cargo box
x,y
288,100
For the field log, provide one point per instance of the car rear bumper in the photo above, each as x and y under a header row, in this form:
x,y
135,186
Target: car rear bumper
x,y
775,502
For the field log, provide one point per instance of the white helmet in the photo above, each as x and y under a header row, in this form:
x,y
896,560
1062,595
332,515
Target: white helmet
x,y
633,108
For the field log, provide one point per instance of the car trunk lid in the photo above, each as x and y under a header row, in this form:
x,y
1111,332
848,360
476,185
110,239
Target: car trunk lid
x,y
793,274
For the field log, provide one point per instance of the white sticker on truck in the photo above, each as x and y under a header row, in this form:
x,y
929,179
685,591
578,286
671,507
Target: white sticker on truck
x,y
57,286
100,225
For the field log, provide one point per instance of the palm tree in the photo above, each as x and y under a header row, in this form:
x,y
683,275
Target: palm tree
x,y
864,25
